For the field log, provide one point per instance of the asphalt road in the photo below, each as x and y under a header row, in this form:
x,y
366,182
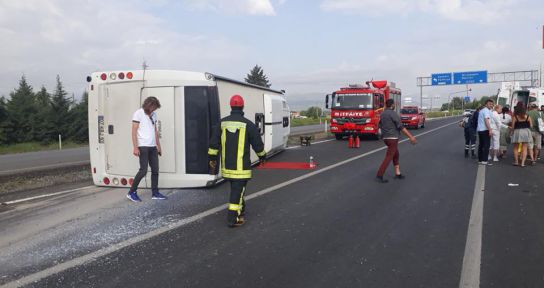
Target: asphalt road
x,y
331,227
33,161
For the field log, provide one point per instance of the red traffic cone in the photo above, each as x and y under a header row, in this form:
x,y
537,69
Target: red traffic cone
x,y
357,142
350,141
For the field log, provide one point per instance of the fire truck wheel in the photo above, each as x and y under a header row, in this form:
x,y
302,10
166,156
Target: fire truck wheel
x,y
338,136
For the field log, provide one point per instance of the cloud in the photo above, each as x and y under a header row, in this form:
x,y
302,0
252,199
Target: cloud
x,y
75,38
251,7
481,11
370,7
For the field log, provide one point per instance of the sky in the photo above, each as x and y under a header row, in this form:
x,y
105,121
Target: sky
x,y
308,48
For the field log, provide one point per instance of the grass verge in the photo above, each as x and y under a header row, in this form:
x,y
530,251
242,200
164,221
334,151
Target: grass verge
x,y
35,146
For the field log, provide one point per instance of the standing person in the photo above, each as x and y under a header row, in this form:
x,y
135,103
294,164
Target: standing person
x,y
470,134
496,131
484,132
391,127
542,138
506,125
535,114
233,137
145,139
521,135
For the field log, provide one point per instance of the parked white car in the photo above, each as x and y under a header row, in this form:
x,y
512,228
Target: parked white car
x,y
468,112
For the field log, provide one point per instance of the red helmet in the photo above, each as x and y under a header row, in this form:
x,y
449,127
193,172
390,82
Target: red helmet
x,y
236,101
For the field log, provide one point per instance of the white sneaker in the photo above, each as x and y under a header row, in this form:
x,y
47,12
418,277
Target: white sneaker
x,y
495,159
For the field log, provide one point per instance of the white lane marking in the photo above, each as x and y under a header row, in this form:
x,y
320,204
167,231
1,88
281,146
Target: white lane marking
x,y
470,273
115,247
438,118
46,195
318,142
7,172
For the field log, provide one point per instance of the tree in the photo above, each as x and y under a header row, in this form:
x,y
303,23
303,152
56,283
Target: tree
x,y
61,118
3,117
3,110
314,112
79,128
44,128
257,77
456,103
20,110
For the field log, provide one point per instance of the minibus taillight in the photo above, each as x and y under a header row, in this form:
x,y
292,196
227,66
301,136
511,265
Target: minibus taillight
x,y
106,180
129,75
104,76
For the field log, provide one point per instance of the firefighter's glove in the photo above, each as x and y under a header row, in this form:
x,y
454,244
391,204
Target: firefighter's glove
x,y
213,167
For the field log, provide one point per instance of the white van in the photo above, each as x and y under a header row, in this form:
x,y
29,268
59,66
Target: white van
x,y
192,102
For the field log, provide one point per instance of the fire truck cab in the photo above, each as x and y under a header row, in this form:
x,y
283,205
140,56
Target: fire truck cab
x,y
356,109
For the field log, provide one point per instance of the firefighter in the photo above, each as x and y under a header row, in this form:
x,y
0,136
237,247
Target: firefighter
x,y
232,139
470,133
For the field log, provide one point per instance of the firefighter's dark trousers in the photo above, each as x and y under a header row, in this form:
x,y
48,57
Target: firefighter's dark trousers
x,y
237,205
470,139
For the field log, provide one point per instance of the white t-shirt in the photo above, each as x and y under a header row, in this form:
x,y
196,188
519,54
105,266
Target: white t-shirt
x,y
146,130
495,121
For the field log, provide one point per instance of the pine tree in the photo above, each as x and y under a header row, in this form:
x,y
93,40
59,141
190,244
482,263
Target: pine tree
x,y
79,128
3,110
257,77
20,110
44,129
60,111
3,117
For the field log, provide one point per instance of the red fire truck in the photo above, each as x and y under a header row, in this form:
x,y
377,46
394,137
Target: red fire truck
x,y
356,109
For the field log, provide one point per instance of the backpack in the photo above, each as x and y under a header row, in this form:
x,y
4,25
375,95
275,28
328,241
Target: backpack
x,y
473,121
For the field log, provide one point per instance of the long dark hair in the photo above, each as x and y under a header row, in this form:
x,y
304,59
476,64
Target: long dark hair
x,y
520,111
150,104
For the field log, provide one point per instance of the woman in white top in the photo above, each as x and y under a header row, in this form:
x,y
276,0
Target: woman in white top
x,y
495,138
506,123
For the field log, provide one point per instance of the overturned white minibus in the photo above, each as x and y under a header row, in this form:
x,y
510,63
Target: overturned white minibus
x,y
192,103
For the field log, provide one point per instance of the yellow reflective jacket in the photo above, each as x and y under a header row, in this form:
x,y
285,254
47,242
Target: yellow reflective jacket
x,y
232,139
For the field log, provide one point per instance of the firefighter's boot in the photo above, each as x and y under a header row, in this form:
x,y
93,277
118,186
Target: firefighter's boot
x,y
236,210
